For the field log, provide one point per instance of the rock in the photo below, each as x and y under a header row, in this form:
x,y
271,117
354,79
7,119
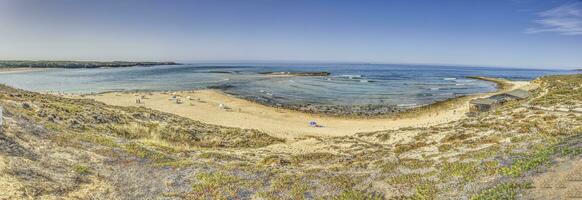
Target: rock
x,y
298,73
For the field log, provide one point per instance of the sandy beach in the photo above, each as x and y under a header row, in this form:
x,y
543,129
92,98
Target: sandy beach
x,y
205,106
255,99
20,70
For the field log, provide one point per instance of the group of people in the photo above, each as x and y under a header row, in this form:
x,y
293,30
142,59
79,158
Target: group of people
x,y
138,99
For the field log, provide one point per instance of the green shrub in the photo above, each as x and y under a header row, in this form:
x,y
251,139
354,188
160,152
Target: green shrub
x,y
425,192
501,191
529,162
81,169
216,185
143,152
466,170
357,195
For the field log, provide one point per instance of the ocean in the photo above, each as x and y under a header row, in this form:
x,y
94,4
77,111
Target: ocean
x,y
348,84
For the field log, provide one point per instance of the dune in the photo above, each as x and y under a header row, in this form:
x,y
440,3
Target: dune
x,y
52,144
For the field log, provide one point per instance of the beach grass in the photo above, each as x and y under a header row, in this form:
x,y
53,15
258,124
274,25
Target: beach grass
x,y
55,147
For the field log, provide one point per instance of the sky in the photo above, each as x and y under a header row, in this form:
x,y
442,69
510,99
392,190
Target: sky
x,y
503,33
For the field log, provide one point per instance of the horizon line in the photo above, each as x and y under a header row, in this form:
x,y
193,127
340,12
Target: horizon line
x,y
262,61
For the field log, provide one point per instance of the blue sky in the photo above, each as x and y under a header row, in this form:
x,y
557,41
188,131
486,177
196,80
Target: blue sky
x,y
509,33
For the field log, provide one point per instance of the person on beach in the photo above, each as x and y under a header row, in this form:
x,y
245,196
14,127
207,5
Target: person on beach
x,y
314,124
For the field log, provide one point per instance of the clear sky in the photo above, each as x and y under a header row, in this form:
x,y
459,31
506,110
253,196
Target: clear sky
x,y
510,33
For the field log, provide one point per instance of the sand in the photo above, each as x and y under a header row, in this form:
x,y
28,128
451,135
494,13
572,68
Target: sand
x,y
563,181
20,70
205,107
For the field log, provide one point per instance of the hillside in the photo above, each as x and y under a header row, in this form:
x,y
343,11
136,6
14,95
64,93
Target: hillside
x,y
52,146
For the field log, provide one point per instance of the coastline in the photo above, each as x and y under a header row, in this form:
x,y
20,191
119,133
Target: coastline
x,y
101,139
365,111
372,111
205,106
21,70
75,64
501,84
7,67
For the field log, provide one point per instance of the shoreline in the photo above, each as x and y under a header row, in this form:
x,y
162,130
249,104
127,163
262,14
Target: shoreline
x,y
375,111
219,108
12,70
389,110
379,111
76,64
501,84
362,111
35,66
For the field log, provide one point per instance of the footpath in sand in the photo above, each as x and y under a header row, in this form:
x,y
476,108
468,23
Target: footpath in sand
x,y
284,123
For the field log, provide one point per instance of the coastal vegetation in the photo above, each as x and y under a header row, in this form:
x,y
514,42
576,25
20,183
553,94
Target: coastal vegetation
x,y
74,64
56,147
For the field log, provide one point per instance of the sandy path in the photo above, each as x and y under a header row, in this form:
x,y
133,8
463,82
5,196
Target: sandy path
x,y
563,181
278,122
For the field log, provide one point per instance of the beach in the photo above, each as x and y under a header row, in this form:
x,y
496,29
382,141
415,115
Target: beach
x,y
124,144
301,100
20,70
204,106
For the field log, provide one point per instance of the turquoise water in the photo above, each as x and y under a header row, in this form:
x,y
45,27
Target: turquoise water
x,y
349,84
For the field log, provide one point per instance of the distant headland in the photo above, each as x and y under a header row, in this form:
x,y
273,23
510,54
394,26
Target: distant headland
x,y
75,64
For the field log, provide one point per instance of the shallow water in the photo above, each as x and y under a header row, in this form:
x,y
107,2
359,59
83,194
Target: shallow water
x,y
349,84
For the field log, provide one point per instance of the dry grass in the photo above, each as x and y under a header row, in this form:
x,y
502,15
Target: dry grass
x,y
55,147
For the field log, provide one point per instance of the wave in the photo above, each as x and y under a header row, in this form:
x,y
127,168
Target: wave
x,y
449,79
424,95
464,81
351,76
